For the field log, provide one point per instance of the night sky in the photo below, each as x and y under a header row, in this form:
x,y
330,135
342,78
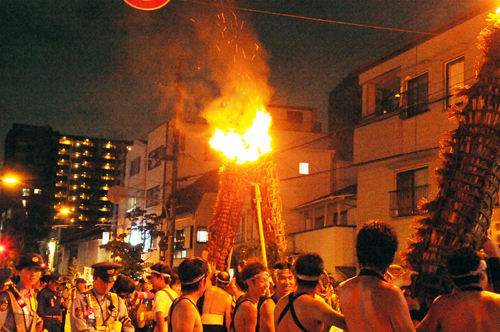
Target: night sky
x,y
104,69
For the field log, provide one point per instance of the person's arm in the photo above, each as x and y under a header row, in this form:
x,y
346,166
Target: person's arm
x,y
124,318
229,311
41,303
491,249
430,323
329,316
266,321
160,311
398,310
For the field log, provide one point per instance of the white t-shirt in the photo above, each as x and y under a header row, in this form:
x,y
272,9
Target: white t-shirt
x,y
163,302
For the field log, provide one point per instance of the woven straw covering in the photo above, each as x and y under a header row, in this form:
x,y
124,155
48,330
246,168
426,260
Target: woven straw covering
x,y
469,178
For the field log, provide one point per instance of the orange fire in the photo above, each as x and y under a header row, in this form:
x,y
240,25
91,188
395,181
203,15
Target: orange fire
x,y
248,145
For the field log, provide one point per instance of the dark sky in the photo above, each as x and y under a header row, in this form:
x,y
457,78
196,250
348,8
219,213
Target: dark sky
x,y
104,69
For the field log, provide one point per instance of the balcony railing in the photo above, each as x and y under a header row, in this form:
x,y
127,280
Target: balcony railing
x,y
405,202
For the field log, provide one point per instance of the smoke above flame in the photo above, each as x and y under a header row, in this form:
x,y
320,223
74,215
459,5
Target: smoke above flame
x,y
239,68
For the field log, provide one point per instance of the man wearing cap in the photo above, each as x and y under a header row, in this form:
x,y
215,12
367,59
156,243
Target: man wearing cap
x,y
217,305
18,305
470,307
99,309
161,275
49,303
299,310
184,315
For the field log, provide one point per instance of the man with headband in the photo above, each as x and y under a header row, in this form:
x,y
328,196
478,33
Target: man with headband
x,y
254,281
368,302
161,275
470,307
300,311
99,309
284,283
184,316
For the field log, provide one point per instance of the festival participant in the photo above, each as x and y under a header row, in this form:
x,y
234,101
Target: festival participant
x,y
217,305
284,283
300,311
100,309
184,315
18,311
49,303
161,275
470,308
254,281
368,302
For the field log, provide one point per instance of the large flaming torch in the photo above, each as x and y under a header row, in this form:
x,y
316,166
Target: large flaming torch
x,y
247,164
469,176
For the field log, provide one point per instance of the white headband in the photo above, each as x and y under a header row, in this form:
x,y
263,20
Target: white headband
x,y
307,278
194,281
165,275
264,274
276,271
480,268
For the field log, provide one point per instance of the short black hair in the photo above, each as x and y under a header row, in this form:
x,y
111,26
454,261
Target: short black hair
x,y
310,265
123,285
376,245
248,272
460,263
162,268
190,270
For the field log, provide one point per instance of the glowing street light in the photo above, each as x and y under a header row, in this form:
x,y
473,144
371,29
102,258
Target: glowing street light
x,y
10,180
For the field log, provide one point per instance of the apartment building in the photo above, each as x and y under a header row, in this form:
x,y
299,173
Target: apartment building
x,y
405,98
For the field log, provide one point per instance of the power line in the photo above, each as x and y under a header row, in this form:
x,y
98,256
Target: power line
x,y
315,19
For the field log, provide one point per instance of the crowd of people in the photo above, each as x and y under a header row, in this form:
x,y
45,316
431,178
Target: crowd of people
x,y
294,295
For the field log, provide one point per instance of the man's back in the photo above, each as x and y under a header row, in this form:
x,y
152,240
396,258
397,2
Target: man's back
x,y
310,313
371,304
477,311
217,304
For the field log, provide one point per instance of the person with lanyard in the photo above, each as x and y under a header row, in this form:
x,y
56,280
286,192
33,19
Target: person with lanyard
x,y
254,281
49,303
161,275
470,307
216,305
99,309
18,308
368,302
284,283
300,311
184,315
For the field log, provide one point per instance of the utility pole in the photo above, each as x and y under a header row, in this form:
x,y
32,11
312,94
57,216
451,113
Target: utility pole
x,y
179,114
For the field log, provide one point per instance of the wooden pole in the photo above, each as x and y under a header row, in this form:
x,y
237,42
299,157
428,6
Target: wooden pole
x,y
258,200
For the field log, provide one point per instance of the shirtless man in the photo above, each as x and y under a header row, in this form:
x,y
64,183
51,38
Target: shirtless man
x,y
470,307
217,305
300,311
254,281
184,315
284,283
368,302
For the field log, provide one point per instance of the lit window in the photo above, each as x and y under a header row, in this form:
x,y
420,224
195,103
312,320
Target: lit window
x,y
110,146
202,235
77,155
75,176
37,191
129,148
303,168
104,198
105,187
77,143
24,203
76,165
104,209
62,151
135,237
26,192
64,140
454,77
59,184
103,219
73,198
105,238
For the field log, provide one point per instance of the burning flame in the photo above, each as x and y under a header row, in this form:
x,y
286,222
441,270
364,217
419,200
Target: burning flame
x,y
247,146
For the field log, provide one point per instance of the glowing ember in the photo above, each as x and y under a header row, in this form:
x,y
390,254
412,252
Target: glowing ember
x,y
247,146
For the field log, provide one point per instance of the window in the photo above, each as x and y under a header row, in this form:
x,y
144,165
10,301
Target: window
x,y
155,157
411,188
135,166
294,116
153,193
202,235
183,238
417,96
454,76
303,168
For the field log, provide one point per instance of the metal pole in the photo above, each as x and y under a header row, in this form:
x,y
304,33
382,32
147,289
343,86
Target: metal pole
x,y
258,200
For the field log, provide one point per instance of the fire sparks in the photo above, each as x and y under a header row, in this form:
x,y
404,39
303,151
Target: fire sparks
x,y
247,146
